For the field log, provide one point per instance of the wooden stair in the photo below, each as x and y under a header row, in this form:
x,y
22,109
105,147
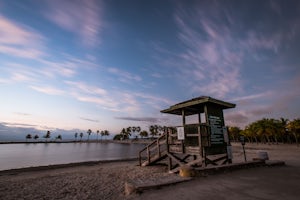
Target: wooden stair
x,y
159,150
154,152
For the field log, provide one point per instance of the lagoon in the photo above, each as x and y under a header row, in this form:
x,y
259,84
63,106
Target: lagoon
x,y
13,156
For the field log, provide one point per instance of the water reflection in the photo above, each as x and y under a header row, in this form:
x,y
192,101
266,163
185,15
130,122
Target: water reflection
x,y
38,154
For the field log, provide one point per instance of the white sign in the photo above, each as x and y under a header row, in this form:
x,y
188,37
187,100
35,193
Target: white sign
x,y
180,133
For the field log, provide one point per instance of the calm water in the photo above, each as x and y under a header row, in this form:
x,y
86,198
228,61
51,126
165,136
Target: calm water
x,y
26,155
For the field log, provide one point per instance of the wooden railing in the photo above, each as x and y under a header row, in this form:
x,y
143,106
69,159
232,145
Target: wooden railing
x,y
155,149
196,137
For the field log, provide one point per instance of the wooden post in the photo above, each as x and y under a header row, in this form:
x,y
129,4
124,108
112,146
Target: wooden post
x,y
167,140
170,164
207,133
199,118
148,155
199,135
158,147
183,124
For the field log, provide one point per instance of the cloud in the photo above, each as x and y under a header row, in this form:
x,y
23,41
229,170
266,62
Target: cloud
x,y
19,41
60,68
90,120
218,44
4,81
84,88
250,99
50,90
32,127
20,73
124,76
140,119
208,56
236,118
80,17
22,114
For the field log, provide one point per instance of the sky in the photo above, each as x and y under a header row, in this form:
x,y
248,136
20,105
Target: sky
x,y
72,64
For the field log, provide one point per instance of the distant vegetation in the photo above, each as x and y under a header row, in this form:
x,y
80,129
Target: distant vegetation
x,y
47,136
268,131
135,132
271,131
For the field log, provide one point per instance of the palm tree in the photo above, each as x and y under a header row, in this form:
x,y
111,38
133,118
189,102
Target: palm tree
x,y
106,132
36,137
128,130
81,135
102,134
58,137
153,130
48,135
234,133
97,134
89,133
294,128
76,135
133,129
125,133
284,123
28,136
144,134
138,130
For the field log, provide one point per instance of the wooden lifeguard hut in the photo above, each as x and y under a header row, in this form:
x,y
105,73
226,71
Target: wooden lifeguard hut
x,y
201,144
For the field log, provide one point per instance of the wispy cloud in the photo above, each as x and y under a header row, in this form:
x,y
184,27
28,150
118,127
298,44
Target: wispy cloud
x,y
90,120
85,88
216,49
80,17
253,96
140,119
208,56
124,76
4,81
50,90
22,114
20,41
92,94
239,118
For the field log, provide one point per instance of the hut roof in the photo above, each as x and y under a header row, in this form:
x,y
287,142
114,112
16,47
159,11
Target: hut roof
x,y
196,105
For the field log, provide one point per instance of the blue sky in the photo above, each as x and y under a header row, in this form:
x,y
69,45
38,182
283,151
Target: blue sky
x,y
111,64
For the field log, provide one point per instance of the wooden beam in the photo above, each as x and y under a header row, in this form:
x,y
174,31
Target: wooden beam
x,y
175,159
183,124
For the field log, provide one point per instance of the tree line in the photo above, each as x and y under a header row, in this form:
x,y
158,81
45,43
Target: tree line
x,y
103,133
135,131
268,130
265,130
47,136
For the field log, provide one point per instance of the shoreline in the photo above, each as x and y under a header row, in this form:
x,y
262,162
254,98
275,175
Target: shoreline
x,y
130,141
60,166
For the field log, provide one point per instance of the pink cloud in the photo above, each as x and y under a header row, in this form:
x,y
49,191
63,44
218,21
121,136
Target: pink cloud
x,y
124,76
48,90
85,88
80,17
209,57
20,41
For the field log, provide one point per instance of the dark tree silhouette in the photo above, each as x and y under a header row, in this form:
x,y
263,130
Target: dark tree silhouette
x,y
48,135
36,137
28,136
89,132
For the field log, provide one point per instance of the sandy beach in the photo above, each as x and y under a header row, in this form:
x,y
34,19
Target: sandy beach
x,y
105,180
